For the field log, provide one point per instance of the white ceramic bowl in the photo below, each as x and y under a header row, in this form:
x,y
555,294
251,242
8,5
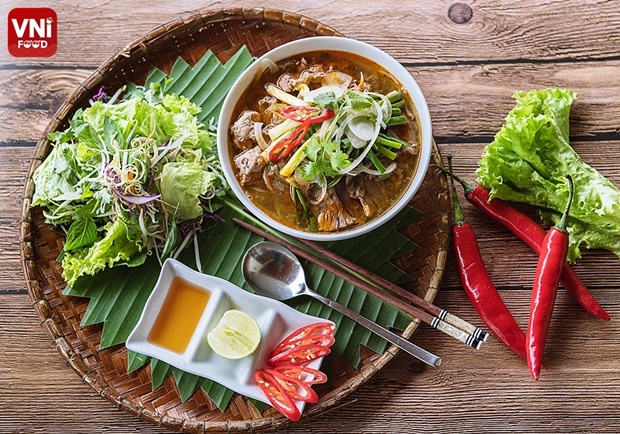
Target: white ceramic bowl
x,y
328,43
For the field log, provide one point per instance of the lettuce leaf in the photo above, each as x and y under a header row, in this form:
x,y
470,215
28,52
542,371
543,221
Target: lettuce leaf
x,y
114,248
527,161
181,185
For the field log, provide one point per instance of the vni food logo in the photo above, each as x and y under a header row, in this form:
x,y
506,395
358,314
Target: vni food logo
x,y
32,32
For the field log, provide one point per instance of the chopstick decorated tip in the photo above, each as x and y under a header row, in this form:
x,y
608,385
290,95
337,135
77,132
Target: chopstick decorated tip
x,y
405,307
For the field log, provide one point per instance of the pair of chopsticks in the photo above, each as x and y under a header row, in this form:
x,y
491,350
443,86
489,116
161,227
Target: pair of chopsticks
x,y
387,291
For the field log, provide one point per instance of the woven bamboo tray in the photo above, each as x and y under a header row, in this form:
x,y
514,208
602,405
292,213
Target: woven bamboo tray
x,y
224,32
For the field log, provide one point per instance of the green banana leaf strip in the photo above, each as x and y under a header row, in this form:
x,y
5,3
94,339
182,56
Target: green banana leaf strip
x,y
118,301
357,251
136,361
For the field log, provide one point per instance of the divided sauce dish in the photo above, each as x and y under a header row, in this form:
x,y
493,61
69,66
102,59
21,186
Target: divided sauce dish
x,y
275,319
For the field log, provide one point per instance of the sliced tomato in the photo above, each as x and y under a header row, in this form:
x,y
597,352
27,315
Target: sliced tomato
x,y
300,355
295,388
304,373
305,336
278,397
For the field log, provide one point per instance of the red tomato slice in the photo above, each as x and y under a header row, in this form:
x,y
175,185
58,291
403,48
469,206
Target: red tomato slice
x,y
276,394
299,355
303,373
296,389
298,337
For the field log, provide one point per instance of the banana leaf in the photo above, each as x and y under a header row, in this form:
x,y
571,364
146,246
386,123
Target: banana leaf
x,y
117,301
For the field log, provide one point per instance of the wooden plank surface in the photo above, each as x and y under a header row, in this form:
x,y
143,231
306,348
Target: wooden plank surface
x,y
468,72
499,31
454,94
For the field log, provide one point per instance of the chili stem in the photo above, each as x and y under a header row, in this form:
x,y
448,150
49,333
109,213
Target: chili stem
x,y
456,206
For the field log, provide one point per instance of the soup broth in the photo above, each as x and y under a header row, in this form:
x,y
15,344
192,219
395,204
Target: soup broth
x,y
333,201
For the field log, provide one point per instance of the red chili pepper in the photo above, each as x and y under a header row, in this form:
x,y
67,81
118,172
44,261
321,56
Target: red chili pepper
x,y
552,259
478,285
287,146
533,235
307,114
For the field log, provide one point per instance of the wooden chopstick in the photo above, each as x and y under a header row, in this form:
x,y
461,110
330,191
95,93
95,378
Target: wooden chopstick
x,y
438,312
338,271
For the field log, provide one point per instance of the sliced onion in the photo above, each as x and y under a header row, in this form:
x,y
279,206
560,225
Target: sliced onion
x,y
337,78
136,200
386,108
303,90
361,157
362,128
342,127
258,134
356,141
370,171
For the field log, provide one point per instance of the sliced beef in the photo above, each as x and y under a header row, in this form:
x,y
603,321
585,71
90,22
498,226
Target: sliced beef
x,y
311,76
274,181
286,82
332,214
243,129
269,107
250,165
365,191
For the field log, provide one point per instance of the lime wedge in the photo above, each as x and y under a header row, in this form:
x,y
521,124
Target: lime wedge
x,y
236,335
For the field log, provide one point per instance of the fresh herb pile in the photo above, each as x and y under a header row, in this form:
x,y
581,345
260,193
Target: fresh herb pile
x,y
132,175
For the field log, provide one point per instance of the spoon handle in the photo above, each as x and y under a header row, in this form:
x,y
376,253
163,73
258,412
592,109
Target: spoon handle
x,y
392,338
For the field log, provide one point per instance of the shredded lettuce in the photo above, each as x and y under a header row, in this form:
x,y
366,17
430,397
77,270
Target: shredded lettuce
x,y
124,175
527,161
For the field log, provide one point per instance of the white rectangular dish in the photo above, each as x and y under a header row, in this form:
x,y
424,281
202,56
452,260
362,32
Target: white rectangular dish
x,y
275,319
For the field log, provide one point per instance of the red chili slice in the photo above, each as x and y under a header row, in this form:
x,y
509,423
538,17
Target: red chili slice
x,y
287,146
309,114
318,328
299,355
319,340
295,388
302,373
276,394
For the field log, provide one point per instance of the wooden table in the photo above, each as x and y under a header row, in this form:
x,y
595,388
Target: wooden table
x,y
468,59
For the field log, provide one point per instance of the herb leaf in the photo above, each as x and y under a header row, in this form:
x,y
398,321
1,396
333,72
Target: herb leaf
x,y
83,232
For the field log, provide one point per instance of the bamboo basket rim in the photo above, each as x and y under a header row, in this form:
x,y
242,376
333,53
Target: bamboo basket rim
x,y
140,48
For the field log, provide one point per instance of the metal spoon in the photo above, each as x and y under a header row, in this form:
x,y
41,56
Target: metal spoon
x,y
274,271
